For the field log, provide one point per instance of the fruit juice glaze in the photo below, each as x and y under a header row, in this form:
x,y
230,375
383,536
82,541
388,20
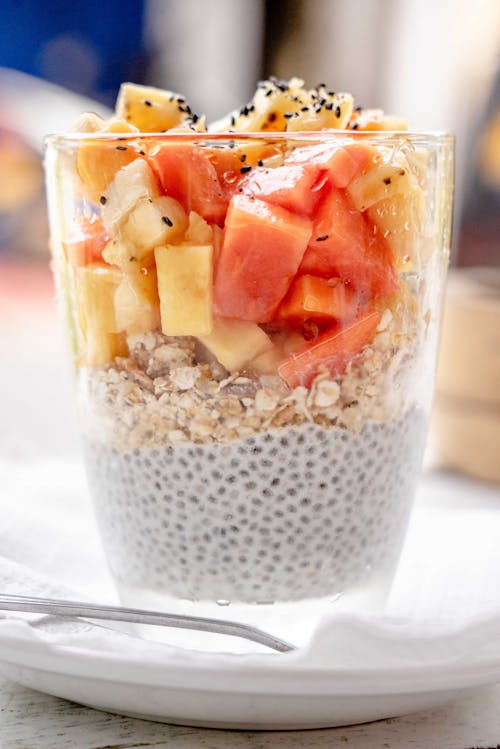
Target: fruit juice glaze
x,y
254,316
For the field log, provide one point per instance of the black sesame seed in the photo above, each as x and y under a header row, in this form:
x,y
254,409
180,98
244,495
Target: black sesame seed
x,y
329,106
321,85
181,99
166,220
121,148
271,117
245,169
148,103
260,162
354,126
268,93
287,115
358,109
305,109
322,238
243,157
233,121
195,118
103,199
143,153
338,111
387,181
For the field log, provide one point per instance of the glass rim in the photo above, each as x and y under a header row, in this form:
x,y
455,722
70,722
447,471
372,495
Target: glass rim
x,y
423,137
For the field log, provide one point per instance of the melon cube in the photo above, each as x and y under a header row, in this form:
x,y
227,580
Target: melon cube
x,y
378,184
185,288
131,184
404,223
95,290
151,109
153,222
236,342
137,305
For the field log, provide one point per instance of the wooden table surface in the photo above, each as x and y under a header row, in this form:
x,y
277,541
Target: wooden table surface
x,y
29,720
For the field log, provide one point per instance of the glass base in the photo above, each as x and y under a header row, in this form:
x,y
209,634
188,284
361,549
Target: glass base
x,y
293,621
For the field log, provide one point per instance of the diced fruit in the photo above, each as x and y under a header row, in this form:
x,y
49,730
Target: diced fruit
x,y
295,187
152,110
136,300
286,105
262,250
97,162
185,288
403,222
343,161
236,342
332,350
378,184
95,291
198,231
343,244
375,119
267,362
187,174
88,242
120,253
334,114
152,222
318,299
131,184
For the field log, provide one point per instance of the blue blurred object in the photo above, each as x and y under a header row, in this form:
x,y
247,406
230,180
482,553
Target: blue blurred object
x,y
88,47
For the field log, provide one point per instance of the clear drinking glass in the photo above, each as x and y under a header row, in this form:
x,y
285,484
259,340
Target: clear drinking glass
x,y
254,321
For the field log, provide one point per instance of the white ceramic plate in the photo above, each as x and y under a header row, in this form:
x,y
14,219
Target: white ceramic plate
x,y
239,691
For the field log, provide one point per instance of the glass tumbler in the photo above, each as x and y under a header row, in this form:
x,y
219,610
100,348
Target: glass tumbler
x,y
254,321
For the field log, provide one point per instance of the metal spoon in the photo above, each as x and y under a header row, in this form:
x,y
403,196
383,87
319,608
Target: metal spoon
x,y
65,608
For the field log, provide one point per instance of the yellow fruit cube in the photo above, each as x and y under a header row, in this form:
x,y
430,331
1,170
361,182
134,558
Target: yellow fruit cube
x,y
236,342
153,222
404,222
95,290
131,184
378,184
136,301
185,286
151,109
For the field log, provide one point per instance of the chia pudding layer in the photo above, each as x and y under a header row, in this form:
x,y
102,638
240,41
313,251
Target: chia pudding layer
x,y
292,513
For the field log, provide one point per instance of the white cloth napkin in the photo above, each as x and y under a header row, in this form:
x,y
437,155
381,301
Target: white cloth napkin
x,y
444,606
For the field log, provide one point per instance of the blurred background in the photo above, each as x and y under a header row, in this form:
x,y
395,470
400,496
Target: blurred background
x,y
436,63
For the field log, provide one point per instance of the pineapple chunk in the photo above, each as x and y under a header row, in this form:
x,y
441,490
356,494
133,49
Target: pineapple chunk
x,y
97,162
287,105
404,223
198,231
95,290
185,287
136,301
378,184
132,183
152,110
153,222
236,342
267,362
120,253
